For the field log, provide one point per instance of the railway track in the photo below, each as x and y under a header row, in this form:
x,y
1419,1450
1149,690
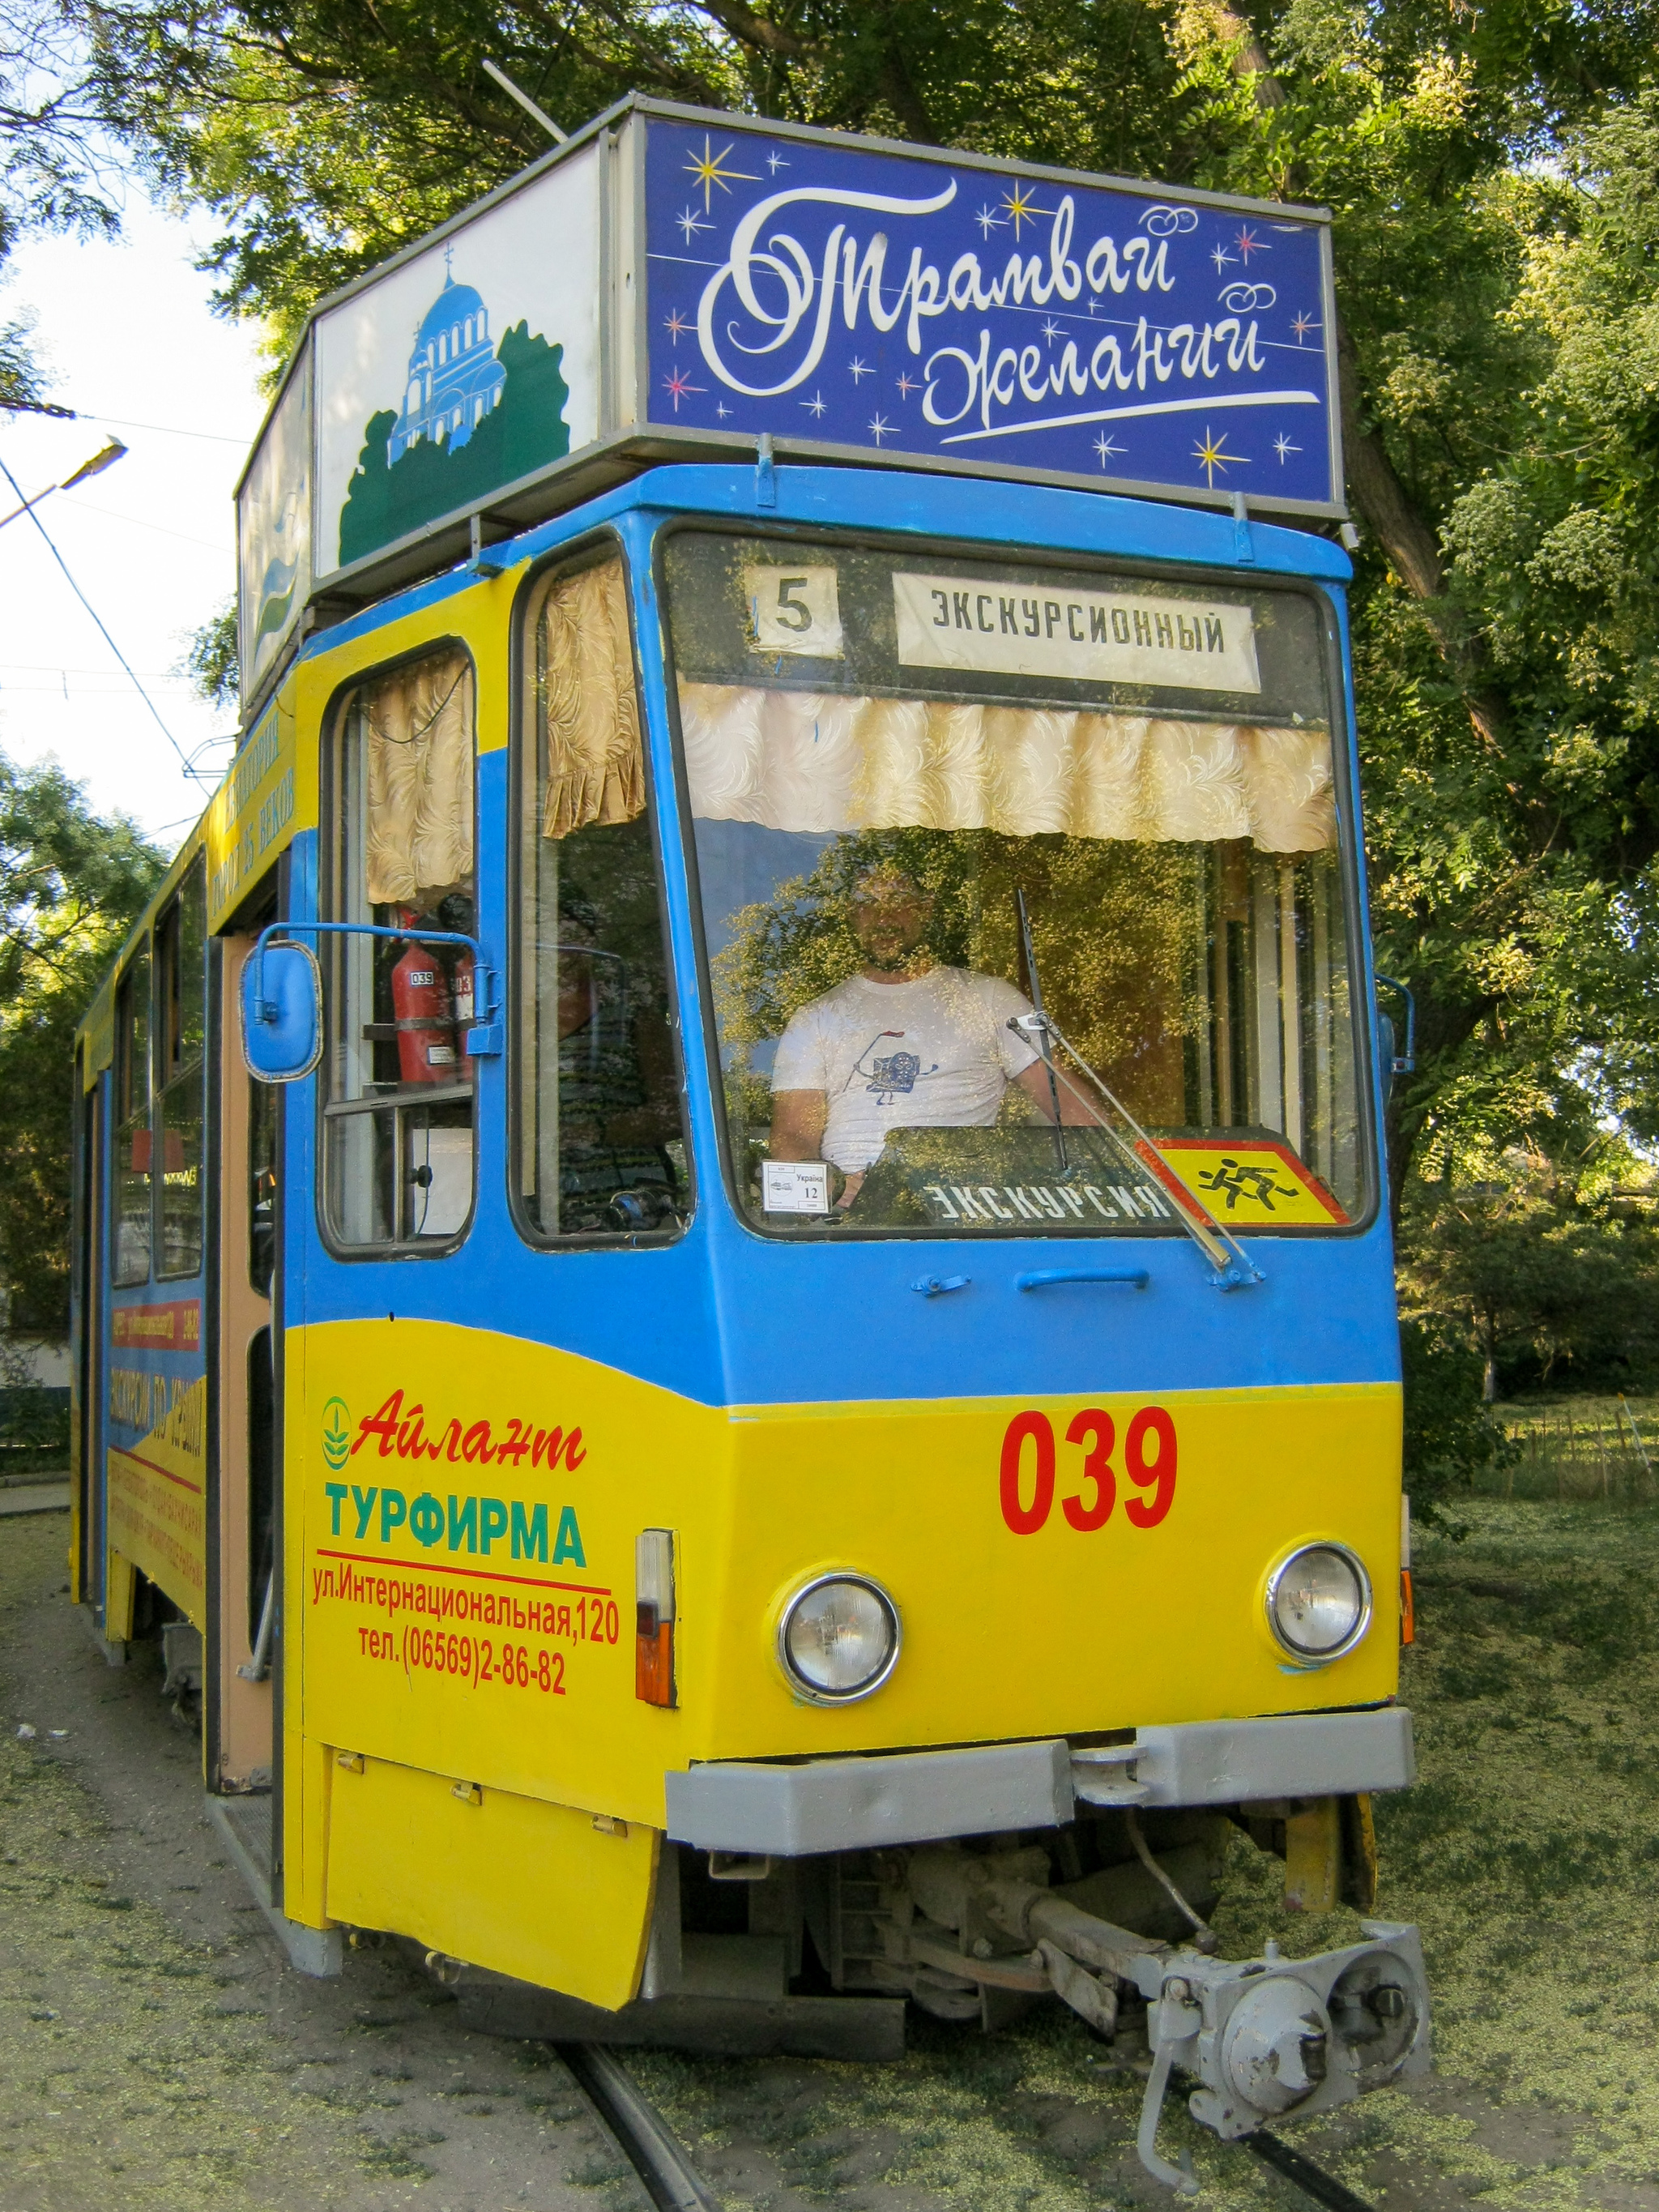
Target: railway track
x,y
673,2184
638,2130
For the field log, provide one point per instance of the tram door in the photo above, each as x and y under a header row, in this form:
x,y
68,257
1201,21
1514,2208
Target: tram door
x,y
249,1111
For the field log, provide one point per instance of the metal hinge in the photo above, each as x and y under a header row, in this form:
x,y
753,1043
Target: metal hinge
x,y
1100,1775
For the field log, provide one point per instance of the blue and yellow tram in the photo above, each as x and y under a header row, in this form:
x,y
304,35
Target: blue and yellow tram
x,y
732,1253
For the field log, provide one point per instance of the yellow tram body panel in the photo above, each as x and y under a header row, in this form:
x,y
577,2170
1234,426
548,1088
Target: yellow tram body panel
x,y
466,1640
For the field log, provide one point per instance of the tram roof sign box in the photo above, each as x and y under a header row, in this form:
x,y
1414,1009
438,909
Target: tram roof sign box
x,y
673,283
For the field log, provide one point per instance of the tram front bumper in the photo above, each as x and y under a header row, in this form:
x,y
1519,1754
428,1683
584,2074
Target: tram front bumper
x,y
766,1810
1260,2039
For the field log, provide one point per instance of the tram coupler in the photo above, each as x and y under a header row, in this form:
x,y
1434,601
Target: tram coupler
x,y
1268,2038
1262,2039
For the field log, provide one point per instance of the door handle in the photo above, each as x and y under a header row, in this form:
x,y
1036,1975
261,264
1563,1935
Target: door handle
x,y
1039,1278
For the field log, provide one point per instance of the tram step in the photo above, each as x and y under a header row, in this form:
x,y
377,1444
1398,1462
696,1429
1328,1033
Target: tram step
x,y
799,2027
244,1827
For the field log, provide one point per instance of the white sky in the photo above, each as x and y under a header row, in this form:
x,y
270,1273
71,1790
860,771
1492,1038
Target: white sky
x,y
128,340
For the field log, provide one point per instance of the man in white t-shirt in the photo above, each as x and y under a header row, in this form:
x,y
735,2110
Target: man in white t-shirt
x,y
904,1044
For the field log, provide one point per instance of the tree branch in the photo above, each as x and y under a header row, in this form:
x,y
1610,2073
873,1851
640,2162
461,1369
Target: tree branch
x,y
1381,498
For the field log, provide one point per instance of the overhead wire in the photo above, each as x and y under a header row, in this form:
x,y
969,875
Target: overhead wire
x,y
143,522
121,422
166,429
184,761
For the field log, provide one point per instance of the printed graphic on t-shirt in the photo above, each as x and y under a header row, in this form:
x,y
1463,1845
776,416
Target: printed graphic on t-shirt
x,y
896,1076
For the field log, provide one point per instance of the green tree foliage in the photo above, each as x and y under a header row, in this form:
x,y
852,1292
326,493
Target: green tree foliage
x,y
1448,1438
1492,179
70,886
212,660
51,174
326,135
1543,1281
1491,173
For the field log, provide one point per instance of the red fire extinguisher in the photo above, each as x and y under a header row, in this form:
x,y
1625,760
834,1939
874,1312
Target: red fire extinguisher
x,y
425,1016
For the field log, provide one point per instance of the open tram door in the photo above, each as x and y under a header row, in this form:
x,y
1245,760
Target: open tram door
x,y
240,1758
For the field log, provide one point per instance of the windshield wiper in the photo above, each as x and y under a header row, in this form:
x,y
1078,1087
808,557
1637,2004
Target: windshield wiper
x,y
1233,1270
1032,983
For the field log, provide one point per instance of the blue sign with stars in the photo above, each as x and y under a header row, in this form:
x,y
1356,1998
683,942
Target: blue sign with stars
x,y
879,301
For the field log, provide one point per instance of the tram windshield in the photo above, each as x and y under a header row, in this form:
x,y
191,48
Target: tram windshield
x,y
928,790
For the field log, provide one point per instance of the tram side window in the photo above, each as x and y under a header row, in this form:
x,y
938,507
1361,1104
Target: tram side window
x,y
180,1041
398,1110
599,1130
131,1212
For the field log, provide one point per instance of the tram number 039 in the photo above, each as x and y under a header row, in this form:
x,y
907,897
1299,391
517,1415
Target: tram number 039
x,y
1031,1469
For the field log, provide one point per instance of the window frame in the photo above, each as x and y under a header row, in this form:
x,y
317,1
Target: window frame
x,y
124,1104
335,718
590,551
167,1029
1350,847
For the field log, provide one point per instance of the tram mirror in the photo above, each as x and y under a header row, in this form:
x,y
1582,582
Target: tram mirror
x,y
282,992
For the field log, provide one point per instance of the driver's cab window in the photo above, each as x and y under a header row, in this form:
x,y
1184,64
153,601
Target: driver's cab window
x,y
929,794
398,1107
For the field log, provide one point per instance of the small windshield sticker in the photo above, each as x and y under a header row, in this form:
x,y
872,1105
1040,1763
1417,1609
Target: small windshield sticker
x,y
1101,637
794,1187
794,611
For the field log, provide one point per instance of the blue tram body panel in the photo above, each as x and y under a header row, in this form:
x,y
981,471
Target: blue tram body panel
x,y
727,1316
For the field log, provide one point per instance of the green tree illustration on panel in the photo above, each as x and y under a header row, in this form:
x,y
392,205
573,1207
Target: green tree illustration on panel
x,y
524,432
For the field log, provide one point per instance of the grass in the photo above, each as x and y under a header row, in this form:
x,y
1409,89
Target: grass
x,y
1578,1449
1529,1851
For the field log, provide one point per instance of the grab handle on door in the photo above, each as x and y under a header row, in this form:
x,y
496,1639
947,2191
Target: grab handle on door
x,y
1039,1278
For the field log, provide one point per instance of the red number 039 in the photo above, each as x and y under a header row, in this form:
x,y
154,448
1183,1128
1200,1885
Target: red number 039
x,y
1031,1469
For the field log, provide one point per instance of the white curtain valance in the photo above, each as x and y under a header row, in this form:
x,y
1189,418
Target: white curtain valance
x,y
419,726
819,761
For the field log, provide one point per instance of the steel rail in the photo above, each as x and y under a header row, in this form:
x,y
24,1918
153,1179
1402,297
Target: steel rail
x,y
638,2130
674,2184
1313,2180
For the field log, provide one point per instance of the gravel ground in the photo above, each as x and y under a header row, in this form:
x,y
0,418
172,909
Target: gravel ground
x,y
155,2050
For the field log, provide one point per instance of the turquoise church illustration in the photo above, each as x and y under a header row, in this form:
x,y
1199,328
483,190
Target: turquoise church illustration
x,y
472,416
454,379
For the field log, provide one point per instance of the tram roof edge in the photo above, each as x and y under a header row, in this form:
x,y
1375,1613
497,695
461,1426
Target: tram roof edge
x,y
1128,529
719,279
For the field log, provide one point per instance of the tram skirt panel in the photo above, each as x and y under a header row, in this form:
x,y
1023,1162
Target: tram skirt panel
x,y
529,1889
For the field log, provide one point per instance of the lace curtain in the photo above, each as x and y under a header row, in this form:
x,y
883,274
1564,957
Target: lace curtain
x,y
419,725
807,759
595,762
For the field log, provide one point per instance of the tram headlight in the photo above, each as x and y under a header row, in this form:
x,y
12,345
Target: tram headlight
x,y
1319,1602
839,1638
